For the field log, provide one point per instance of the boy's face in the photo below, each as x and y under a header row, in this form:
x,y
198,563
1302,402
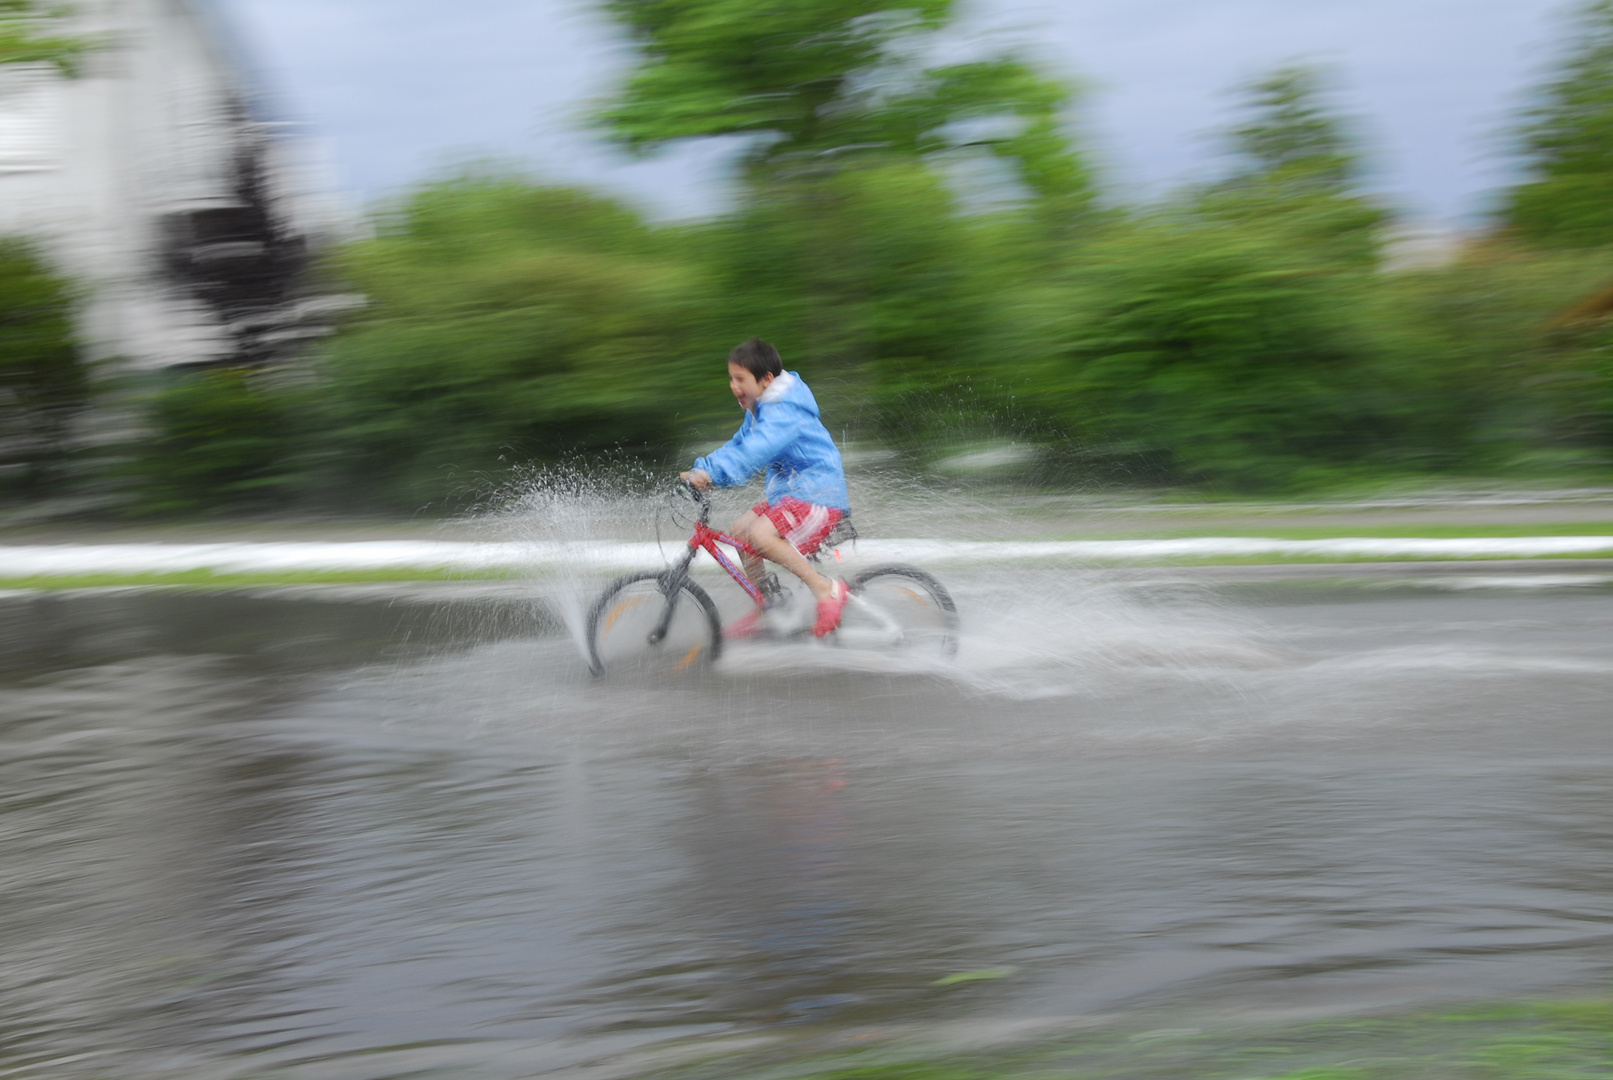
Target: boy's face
x,y
746,387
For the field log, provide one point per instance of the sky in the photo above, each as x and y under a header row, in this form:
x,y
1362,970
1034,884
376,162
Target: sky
x,y
398,90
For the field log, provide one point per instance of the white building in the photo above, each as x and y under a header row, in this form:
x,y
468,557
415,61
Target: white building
x,y
157,181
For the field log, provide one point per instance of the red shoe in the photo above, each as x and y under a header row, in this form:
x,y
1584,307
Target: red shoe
x,y
746,625
830,610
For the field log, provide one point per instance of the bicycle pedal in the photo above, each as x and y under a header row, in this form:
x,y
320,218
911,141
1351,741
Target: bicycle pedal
x,y
773,591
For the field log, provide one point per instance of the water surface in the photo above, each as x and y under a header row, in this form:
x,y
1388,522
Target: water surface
x,y
317,833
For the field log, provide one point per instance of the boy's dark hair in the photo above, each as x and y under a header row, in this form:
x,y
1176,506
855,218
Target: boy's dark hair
x,y
757,357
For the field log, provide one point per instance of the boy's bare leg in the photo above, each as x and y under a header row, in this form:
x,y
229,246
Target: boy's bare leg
x,y
751,564
765,538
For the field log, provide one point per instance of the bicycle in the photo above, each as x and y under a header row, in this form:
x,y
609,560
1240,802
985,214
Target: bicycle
x,y
663,620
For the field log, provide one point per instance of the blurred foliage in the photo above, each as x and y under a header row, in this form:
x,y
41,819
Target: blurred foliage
x,y
27,36
222,438
922,240
869,281
810,83
1292,137
1495,358
1299,170
1567,143
1224,338
507,322
43,380
1217,353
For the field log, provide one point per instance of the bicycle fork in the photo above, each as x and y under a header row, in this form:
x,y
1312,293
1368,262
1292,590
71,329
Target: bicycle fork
x,y
671,588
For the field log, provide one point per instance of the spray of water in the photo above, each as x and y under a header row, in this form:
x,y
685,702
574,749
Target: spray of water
x,y
576,504
1025,634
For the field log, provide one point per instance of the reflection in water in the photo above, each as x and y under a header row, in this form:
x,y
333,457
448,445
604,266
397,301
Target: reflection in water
x,y
248,835
779,838
141,897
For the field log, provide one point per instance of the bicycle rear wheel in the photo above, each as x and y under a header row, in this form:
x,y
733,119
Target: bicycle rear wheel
x,y
623,621
900,607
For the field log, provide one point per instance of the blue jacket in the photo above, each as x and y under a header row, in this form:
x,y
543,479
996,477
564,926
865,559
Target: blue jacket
x,y
783,435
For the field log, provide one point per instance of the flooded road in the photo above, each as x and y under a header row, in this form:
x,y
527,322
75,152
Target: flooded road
x,y
318,833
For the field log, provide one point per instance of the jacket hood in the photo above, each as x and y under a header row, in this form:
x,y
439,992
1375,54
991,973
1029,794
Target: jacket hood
x,y
789,388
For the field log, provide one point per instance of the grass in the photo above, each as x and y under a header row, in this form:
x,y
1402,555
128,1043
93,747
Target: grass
x,y
1546,1041
203,579
1244,527
208,579
1342,560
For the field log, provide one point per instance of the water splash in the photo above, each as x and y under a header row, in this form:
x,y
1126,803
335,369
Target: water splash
x,y
578,504
1026,633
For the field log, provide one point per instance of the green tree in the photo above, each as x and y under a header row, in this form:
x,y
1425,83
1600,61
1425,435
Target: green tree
x,y
1292,138
1585,410
27,36
1299,167
1566,141
809,83
1214,353
508,321
867,279
43,381
1567,352
42,377
849,246
1467,348
222,439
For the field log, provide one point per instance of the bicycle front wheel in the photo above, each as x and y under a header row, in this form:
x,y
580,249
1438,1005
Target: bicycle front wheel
x,y
638,625
900,607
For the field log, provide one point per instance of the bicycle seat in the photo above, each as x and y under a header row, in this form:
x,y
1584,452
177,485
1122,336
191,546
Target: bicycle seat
x,y
843,533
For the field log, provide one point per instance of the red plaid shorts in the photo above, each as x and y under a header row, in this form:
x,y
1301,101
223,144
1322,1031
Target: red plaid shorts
x,y
805,525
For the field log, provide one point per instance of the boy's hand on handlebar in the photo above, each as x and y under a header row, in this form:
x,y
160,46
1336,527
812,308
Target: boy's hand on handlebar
x,y
698,478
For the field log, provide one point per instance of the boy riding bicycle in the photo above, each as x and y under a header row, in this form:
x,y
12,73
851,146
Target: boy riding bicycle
x,y
806,482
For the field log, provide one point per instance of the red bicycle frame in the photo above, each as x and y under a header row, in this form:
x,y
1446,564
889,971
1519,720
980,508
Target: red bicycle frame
x,y
706,538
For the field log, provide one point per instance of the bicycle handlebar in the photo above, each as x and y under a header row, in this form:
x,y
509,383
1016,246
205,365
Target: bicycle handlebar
x,y
700,497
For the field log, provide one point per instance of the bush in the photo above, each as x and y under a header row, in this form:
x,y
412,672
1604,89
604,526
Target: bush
x,y
1485,367
1220,351
43,380
222,439
510,322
